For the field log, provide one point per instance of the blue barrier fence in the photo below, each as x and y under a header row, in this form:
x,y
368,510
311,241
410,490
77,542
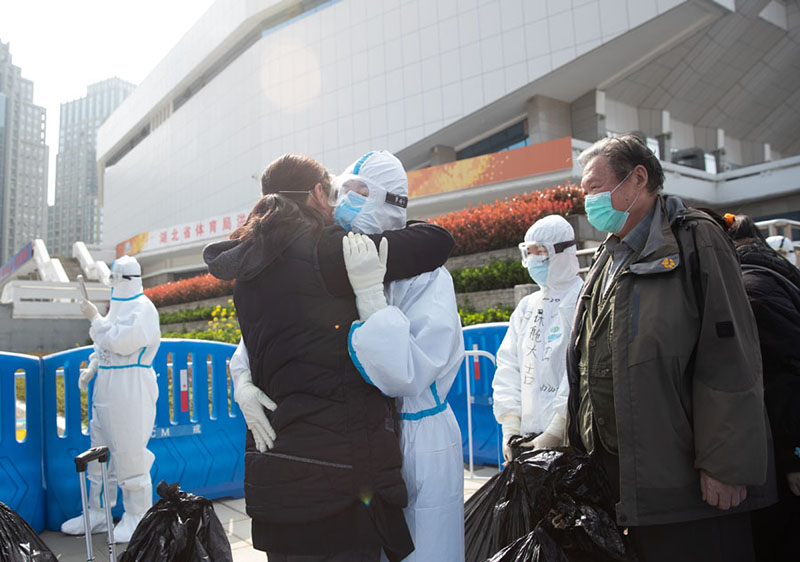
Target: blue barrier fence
x,y
198,439
21,437
199,433
487,436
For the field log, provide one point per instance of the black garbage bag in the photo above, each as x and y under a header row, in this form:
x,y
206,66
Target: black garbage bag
x,y
548,504
18,541
180,527
536,546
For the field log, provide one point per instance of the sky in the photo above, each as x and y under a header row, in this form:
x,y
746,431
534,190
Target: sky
x,y
65,45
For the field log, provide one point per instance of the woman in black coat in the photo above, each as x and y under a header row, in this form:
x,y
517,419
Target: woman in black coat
x,y
330,488
773,289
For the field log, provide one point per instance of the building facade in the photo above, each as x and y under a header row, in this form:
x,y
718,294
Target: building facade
x,y
75,214
711,84
23,160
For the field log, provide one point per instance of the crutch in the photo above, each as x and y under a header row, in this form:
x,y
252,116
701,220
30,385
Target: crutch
x,y
99,454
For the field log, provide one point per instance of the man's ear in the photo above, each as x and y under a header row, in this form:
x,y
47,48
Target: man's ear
x,y
640,176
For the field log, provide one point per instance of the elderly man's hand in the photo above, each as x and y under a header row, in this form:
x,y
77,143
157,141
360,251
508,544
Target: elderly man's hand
x,y
721,495
793,478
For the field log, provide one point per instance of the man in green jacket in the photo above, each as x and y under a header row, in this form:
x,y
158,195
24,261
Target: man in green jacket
x,y
664,366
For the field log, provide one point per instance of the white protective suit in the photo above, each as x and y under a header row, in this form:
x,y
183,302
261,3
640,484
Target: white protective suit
x,y
784,247
412,349
124,399
530,384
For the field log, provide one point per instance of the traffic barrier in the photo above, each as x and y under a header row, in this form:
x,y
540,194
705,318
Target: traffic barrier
x,y
198,438
481,342
21,438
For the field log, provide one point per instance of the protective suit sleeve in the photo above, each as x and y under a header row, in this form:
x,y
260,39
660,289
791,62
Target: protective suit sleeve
x,y
507,382
129,334
402,349
240,361
418,248
730,432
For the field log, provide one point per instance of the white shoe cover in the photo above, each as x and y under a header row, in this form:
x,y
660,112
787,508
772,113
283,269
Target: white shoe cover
x,y
97,523
126,526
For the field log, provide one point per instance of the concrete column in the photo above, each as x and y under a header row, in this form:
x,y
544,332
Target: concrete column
x,y
548,119
588,114
441,154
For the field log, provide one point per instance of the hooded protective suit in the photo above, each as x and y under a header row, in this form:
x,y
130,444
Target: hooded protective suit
x,y
784,247
530,384
124,399
418,367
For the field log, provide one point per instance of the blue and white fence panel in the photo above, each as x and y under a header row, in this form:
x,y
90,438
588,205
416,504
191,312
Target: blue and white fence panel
x,y
21,437
470,397
198,438
199,433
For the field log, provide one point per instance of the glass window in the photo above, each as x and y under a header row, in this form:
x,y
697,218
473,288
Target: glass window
x,y
514,136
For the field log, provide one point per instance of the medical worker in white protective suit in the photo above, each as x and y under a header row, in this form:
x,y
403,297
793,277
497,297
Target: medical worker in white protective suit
x,y
784,247
530,383
124,399
409,344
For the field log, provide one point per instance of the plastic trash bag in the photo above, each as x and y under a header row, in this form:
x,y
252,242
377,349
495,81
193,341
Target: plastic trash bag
x,y
180,527
18,541
546,505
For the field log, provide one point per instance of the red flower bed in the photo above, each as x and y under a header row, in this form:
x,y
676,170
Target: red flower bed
x,y
503,224
189,290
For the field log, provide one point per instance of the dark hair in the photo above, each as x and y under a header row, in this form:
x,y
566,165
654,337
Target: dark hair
x,y
743,231
624,153
719,219
294,172
277,215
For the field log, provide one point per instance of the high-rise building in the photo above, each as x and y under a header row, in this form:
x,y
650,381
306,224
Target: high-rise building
x,y
23,160
76,215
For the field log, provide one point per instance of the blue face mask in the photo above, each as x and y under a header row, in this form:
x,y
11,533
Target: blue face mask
x,y
538,266
601,213
348,208
539,273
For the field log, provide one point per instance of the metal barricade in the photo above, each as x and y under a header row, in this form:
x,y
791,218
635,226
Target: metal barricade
x,y
21,437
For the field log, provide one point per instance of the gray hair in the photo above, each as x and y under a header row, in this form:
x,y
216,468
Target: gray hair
x,y
624,153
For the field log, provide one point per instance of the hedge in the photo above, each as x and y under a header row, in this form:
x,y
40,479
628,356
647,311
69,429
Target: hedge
x,y
503,224
189,290
188,315
496,275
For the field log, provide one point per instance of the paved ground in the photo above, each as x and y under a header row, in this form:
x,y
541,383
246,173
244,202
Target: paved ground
x,y
234,520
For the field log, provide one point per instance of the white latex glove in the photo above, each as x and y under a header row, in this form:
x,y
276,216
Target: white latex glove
x,y
87,374
545,441
88,309
510,424
366,268
252,402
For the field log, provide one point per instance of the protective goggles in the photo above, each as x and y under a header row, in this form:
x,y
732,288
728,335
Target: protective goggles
x,y
345,183
542,250
116,277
